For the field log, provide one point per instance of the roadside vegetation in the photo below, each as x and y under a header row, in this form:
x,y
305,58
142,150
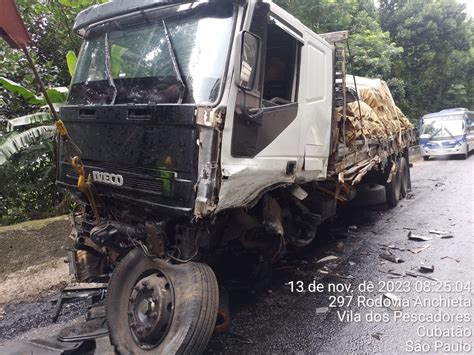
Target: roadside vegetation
x,y
421,48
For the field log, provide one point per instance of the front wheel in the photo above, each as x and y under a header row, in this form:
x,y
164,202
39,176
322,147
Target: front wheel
x,y
155,307
426,157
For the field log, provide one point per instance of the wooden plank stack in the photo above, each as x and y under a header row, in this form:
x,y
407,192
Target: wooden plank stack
x,y
375,116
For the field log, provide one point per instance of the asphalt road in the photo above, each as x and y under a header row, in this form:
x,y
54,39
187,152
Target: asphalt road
x,y
358,318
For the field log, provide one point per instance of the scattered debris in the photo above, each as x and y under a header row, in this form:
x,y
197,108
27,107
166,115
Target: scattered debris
x,y
442,234
410,196
395,248
435,231
420,249
2,313
327,258
391,257
322,310
377,335
324,272
395,302
335,274
395,273
438,184
450,257
351,263
426,268
353,229
239,337
412,236
409,228
447,236
412,274
339,247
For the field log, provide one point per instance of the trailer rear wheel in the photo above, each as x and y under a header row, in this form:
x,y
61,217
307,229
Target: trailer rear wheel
x,y
404,177
155,307
393,189
369,195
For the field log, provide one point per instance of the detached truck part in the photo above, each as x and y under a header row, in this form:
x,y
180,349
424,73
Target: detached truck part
x,y
214,137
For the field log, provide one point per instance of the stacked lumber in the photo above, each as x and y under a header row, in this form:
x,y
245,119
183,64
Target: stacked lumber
x,y
375,116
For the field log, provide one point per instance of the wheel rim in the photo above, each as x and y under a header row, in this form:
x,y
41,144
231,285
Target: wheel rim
x,y
150,310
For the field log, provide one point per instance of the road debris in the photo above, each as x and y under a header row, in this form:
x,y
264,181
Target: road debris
x,y
377,335
438,184
395,273
450,257
347,277
420,249
409,228
391,257
442,234
322,310
421,238
239,337
435,231
339,247
395,302
447,236
426,268
327,258
353,228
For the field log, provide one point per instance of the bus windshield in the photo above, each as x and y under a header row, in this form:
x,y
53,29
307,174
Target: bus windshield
x,y
443,127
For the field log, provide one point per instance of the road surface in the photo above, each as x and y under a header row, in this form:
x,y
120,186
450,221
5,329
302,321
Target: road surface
x,y
339,306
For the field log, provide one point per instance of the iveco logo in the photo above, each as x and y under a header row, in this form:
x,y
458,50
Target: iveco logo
x,y
107,178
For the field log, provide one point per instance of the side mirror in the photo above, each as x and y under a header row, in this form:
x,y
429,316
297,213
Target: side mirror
x,y
248,63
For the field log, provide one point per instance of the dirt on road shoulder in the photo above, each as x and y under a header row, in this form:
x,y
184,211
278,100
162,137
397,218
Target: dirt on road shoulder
x,y
32,258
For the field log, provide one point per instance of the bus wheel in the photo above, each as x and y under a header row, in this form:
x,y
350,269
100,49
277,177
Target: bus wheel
x,y
392,189
404,177
155,307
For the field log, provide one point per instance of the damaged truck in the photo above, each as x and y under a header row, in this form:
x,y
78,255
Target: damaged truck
x,y
207,139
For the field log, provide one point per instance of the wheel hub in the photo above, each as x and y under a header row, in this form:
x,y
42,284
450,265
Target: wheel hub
x,y
150,309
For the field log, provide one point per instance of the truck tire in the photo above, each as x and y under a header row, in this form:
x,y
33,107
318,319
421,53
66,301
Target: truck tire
x,y
369,195
404,177
392,190
155,307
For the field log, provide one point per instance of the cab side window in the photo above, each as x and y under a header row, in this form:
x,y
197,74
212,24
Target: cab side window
x,y
281,66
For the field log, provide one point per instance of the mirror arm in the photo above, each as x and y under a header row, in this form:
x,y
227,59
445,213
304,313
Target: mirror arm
x,y
251,115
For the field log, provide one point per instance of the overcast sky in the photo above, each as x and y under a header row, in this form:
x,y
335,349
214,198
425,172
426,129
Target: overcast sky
x,y
469,7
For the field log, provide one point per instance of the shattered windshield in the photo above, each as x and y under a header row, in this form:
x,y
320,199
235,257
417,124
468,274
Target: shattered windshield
x,y
175,55
443,127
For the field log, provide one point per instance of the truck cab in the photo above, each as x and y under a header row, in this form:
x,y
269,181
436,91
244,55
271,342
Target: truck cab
x,y
206,145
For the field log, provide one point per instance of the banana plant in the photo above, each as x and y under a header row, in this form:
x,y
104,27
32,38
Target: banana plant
x,y
24,132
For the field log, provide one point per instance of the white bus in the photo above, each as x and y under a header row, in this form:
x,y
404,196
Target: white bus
x,y
448,132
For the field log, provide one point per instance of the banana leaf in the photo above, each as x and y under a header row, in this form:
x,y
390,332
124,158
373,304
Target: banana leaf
x,y
38,117
24,140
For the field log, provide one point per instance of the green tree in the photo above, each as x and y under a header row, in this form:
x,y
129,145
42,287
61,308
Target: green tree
x,y
372,49
437,62
27,168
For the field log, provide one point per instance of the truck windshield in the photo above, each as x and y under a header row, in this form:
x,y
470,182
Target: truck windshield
x,y
172,55
443,127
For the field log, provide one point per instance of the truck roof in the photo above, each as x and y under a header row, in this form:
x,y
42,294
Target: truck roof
x,y
108,10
